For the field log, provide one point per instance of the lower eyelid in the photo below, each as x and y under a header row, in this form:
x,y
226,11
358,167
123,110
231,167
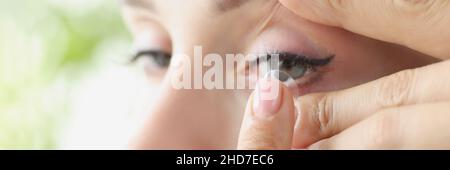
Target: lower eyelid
x,y
308,78
309,83
312,78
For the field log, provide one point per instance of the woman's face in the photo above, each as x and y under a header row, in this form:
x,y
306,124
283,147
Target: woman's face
x,y
319,58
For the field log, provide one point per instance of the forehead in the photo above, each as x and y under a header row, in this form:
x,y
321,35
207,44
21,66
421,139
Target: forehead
x,y
178,17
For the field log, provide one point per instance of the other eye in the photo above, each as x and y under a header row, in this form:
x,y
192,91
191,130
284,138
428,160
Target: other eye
x,y
160,58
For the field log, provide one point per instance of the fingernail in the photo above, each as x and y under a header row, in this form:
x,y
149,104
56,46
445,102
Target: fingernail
x,y
267,99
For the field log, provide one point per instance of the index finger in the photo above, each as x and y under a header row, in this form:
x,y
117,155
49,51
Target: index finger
x,y
325,114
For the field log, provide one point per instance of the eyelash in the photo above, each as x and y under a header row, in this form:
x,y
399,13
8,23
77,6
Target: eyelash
x,y
160,58
290,60
286,59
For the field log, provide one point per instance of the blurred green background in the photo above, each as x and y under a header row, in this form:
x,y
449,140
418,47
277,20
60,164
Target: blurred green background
x,y
47,49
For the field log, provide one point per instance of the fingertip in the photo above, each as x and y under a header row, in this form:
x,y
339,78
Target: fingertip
x,y
268,130
293,5
307,129
319,11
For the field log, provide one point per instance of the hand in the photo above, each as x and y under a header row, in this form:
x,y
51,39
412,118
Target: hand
x,y
423,25
406,110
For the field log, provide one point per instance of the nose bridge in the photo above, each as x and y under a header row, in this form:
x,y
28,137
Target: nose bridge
x,y
188,118
183,107
211,34
191,119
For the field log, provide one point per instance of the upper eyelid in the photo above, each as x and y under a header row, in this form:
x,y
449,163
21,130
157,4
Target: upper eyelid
x,y
140,21
162,61
311,63
139,4
322,61
152,40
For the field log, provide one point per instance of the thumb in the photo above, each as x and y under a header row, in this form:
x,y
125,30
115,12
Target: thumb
x,y
269,118
419,24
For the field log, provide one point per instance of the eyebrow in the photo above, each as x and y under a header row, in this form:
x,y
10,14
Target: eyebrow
x,y
141,4
222,6
228,5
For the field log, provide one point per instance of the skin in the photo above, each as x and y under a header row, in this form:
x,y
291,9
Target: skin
x,y
211,119
405,110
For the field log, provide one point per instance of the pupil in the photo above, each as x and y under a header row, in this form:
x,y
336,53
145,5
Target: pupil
x,y
297,71
293,69
161,59
282,76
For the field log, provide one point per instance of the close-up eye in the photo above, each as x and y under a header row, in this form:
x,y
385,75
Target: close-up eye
x,y
159,58
301,68
297,66
154,63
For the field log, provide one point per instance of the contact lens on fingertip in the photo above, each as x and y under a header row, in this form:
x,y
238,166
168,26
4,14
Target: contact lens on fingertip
x,y
285,79
289,82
